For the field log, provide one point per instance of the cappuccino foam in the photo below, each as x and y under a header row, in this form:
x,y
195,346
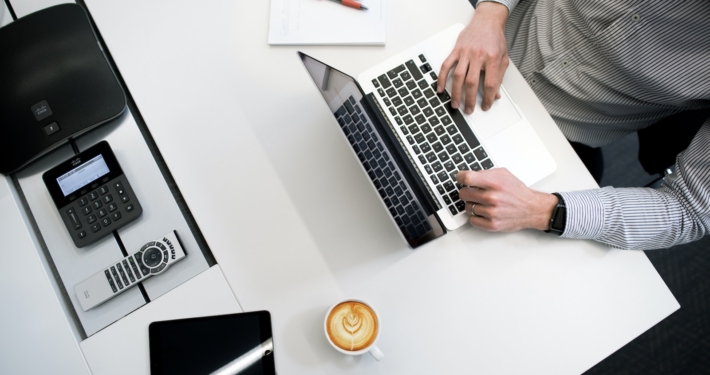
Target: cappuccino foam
x,y
352,326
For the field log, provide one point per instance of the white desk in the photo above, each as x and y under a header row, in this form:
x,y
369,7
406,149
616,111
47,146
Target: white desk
x,y
293,222
295,225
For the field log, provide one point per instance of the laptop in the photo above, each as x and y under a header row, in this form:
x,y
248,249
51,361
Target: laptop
x,y
411,143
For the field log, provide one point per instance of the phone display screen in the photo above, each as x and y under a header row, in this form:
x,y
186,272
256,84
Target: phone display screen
x,y
83,175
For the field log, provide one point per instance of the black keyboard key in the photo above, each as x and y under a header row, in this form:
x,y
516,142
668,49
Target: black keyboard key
x,y
414,129
404,200
411,85
376,153
453,210
397,82
469,159
422,102
487,164
454,195
403,91
443,177
387,102
410,140
422,58
463,148
449,186
415,110
431,137
375,83
449,166
426,68
422,84
458,139
431,157
397,101
416,94
406,76
395,72
437,147
396,219
425,147
408,119
412,67
402,111
396,174
440,111
433,177
447,200
400,210
445,139
453,178
395,201
391,92
426,128
392,111
437,166
463,167
404,130
416,150
387,172
441,190
381,92
398,191
366,136
439,130
451,149
419,138
384,81
428,169
389,191
480,153
428,112
420,119
433,76
460,205
475,167
408,101
409,210
349,107
398,120
457,158
429,93
446,120
443,156
452,129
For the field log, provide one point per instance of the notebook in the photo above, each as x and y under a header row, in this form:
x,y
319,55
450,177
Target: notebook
x,y
325,22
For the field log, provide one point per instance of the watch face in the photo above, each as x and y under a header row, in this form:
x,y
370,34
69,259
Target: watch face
x,y
559,220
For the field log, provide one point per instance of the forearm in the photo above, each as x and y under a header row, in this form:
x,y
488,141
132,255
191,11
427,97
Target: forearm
x,y
644,218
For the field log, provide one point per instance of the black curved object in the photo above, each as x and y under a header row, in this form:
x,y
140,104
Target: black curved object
x,y
55,84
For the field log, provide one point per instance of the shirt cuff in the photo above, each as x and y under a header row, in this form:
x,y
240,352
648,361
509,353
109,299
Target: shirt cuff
x,y
510,4
585,214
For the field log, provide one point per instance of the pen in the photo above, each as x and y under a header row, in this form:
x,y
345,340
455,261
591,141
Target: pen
x,y
351,4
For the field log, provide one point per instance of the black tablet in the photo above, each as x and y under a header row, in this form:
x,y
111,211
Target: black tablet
x,y
223,344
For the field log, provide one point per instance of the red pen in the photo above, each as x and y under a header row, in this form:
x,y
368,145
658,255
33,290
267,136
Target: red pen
x,y
351,4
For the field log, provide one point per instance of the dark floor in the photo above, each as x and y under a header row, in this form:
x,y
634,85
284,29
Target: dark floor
x,y
680,344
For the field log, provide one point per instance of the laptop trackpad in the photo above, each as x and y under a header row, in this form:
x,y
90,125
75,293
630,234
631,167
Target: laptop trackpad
x,y
488,123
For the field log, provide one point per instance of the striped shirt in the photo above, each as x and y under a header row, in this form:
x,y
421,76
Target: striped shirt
x,y
604,69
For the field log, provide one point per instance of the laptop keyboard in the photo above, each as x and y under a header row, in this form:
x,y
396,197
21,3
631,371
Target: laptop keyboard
x,y
436,134
383,172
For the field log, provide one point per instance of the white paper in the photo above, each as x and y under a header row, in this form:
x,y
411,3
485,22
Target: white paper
x,y
326,22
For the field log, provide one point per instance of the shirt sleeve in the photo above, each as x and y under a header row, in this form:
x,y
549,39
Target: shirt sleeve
x,y
643,218
510,4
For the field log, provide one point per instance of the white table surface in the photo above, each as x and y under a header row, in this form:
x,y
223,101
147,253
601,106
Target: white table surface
x,y
295,225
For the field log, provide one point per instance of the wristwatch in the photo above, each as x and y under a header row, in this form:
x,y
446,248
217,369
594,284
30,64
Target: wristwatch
x,y
559,217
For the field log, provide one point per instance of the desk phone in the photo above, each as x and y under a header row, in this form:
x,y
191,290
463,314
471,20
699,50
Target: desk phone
x,y
92,194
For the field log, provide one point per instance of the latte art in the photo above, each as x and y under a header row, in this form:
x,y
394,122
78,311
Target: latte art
x,y
352,326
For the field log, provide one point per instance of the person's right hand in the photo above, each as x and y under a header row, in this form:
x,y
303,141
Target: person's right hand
x,y
480,48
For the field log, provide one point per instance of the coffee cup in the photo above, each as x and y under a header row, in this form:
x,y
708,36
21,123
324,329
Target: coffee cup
x,y
352,327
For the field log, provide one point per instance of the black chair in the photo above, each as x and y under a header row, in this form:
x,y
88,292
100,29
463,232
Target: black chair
x,y
660,143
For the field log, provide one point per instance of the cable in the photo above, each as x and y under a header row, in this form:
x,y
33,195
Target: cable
x,y
12,11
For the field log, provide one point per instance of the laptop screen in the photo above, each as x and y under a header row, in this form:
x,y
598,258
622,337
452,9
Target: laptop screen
x,y
374,149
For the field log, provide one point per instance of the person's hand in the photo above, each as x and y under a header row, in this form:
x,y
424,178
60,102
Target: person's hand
x,y
480,48
503,203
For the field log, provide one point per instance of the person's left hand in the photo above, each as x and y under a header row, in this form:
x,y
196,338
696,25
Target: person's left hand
x,y
503,203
